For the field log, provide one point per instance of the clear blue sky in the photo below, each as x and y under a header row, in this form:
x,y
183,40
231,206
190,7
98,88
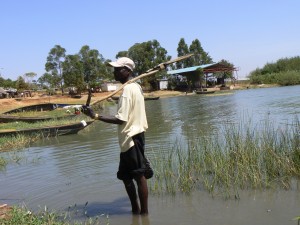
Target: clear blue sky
x,y
248,34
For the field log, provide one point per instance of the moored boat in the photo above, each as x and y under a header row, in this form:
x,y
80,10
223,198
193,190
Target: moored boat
x,y
37,107
205,92
49,131
145,97
8,118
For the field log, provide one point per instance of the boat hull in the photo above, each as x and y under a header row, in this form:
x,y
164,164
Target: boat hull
x,y
9,119
146,98
49,131
204,92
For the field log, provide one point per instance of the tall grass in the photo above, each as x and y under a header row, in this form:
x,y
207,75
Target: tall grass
x,y
237,157
19,140
50,113
52,122
21,215
3,163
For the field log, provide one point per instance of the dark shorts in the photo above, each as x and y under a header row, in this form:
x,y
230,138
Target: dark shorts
x,y
133,162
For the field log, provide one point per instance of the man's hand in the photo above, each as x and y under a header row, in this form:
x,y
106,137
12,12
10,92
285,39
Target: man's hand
x,y
87,110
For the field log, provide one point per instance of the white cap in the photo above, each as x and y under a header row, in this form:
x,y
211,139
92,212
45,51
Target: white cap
x,y
123,61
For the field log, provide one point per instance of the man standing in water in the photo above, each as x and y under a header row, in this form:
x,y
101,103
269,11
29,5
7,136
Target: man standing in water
x,y
132,123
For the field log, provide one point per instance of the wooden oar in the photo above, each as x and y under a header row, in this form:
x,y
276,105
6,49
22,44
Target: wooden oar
x,y
148,73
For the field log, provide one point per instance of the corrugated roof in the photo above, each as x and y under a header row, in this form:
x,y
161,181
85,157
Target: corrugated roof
x,y
190,69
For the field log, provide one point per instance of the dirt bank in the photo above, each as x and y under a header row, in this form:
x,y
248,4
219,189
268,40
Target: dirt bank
x,y
13,103
4,211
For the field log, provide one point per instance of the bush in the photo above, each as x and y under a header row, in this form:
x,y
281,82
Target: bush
x,y
281,78
288,78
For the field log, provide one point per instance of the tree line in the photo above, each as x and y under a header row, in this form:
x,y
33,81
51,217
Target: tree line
x,y
285,71
89,67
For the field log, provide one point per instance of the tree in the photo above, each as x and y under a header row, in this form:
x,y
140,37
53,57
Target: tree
x,y
221,76
93,65
182,50
122,54
200,57
7,83
2,80
73,72
48,80
21,85
54,64
147,55
200,73
29,77
284,71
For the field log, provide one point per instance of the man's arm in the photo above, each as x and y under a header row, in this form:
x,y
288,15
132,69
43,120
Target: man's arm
x,y
108,119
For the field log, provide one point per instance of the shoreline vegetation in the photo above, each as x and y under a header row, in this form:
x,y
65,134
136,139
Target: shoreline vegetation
x,y
239,157
13,142
40,98
21,215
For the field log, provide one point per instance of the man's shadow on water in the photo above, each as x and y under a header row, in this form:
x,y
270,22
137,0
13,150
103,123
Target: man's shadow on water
x,y
119,206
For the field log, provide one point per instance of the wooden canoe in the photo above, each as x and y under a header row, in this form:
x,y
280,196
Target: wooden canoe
x,y
147,98
38,107
6,117
9,118
205,92
49,131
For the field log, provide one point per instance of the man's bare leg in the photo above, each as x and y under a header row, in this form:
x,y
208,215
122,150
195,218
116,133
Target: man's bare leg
x,y
143,193
131,191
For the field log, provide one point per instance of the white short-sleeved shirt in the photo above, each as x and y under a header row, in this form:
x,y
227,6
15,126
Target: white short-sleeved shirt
x,y
131,110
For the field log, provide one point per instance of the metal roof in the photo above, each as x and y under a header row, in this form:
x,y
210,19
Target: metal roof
x,y
207,68
190,69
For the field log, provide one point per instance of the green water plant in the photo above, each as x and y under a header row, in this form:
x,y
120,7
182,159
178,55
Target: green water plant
x,y
3,163
21,215
53,122
298,219
20,140
50,113
17,142
237,157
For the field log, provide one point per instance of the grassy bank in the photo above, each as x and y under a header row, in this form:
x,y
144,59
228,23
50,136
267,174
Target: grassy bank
x,y
59,112
21,215
20,140
53,122
238,157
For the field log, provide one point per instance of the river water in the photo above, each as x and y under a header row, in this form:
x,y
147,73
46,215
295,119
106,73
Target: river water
x,y
78,172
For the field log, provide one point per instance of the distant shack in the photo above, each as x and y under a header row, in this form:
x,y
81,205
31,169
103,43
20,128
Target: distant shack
x,y
193,78
110,86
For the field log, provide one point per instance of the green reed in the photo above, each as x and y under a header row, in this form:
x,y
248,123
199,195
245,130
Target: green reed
x,y
47,113
3,163
237,157
52,122
19,141
16,142
21,215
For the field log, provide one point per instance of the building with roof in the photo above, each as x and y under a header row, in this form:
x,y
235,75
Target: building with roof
x,y
216,71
